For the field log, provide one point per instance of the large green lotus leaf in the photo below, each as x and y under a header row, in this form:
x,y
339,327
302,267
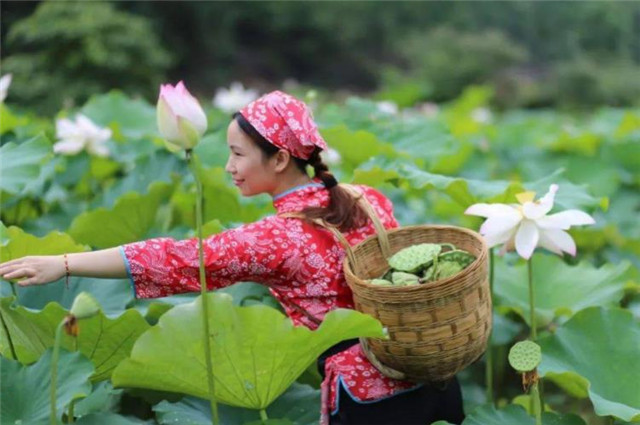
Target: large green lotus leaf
x,y
132,119
514,414
213,149
108,418
21,163
300,404
129,220
112,294
161,167
9,120
26,389
559,289
21,244
103,398
598,350
102,340
252,346
356,147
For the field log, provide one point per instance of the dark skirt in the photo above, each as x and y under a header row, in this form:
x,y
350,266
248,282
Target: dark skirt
x,y
419,406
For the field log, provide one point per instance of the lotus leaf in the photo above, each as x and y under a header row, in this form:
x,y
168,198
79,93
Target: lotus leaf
x,y
21,163
596,353
130,219
257,351
104,341
560,289
300,404
29,387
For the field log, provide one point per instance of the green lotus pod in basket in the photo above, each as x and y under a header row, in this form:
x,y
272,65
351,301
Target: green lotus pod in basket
x,y
525,356
414,258
404,279
429,274
458,256
448,269
380,282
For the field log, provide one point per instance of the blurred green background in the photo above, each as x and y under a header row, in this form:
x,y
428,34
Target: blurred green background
x,y
571,55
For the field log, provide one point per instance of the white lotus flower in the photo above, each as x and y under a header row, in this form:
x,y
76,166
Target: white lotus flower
x,y
81,134
331,157
234,98
527,225
5,82
387,107
482,115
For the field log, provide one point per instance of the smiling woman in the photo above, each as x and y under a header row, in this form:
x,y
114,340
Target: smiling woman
x,y
272,142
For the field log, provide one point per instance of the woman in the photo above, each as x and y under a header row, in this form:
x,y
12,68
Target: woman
x,y
272,141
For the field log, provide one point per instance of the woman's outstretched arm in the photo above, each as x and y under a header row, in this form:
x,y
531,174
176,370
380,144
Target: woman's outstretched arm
x,y
41,269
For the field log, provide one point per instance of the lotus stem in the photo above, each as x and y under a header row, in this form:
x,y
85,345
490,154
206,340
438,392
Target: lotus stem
x,y
70,413
13,289
535,397
489,365
532,304
54,374
263,416
203,293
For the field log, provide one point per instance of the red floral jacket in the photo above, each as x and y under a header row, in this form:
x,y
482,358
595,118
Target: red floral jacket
x,y
299,262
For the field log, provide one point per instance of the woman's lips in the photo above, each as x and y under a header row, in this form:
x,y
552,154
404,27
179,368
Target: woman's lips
x,y
237,182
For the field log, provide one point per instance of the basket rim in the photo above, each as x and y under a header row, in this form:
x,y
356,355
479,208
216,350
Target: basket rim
x,y
484,253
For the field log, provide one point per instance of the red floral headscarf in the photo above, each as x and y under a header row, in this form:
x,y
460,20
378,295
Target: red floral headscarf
x,y
286,122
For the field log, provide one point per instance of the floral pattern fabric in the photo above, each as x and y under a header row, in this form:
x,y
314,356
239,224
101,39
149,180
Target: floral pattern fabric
x,y
285,122
301,263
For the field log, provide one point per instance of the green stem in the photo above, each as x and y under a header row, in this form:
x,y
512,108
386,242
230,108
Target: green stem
x,y
203,293
532,304
489,365
54,373
13,289
535,396
263,415
70,414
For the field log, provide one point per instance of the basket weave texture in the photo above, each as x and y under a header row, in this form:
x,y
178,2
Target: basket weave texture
x,y
435,329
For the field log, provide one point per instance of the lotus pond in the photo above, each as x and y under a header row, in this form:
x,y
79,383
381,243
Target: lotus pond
x,y
141,361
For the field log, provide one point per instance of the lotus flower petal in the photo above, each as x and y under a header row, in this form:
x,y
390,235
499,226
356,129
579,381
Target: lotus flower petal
x,y
68,147
557,240
527,239
497,224
487,210
564,220
175,104
5,82
538,209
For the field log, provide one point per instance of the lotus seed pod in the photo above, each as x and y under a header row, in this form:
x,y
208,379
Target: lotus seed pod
x,y
450,246
458,256
84,306
414,258
525,356
448,269
404,279
380,282
429,273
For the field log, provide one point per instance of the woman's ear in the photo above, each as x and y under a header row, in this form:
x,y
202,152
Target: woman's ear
x,y
282,160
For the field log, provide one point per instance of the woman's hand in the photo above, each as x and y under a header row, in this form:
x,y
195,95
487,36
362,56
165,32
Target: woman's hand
x,y
37,270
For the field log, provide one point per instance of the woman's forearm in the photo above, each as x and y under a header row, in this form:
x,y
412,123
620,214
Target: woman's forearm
x,y
105,263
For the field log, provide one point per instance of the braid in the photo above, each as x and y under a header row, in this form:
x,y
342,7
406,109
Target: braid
x,y
321,170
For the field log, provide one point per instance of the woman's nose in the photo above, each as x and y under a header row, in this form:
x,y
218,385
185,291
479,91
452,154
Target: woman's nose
x,y
227,166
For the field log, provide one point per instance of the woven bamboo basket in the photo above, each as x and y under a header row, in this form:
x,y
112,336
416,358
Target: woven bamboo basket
x,y
435,329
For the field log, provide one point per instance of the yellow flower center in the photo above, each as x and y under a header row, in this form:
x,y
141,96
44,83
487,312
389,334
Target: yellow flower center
x,y
525,197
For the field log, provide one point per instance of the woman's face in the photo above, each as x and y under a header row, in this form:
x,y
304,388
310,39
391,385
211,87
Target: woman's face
x,y
250,171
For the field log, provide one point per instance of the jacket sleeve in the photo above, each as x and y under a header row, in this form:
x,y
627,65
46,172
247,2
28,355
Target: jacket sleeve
x,y
161,267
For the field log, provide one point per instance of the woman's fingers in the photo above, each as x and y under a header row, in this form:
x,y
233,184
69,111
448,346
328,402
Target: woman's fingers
x,y
6,266
27,282
17,274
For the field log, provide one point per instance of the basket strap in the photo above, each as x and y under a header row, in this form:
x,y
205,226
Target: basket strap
x,y
383,238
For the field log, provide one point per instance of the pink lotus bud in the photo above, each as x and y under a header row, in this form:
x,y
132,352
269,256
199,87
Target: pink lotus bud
x,y
181,120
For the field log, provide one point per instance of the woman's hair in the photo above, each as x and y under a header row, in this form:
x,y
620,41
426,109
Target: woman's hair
x,y
343,210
